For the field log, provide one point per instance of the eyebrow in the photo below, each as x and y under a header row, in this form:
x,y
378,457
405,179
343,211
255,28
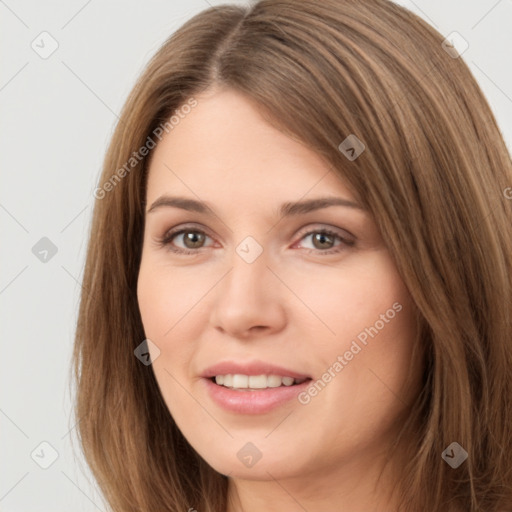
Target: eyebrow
x,y
286,210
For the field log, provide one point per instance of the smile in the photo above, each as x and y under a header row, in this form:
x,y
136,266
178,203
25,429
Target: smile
x,y
252,382
250,400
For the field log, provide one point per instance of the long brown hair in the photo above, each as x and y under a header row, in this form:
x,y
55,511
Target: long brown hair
x,y
434,174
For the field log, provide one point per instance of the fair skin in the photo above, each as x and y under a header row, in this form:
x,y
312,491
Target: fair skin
x,y
293,306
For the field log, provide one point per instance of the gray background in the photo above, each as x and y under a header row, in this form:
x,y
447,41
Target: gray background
x,y
57,116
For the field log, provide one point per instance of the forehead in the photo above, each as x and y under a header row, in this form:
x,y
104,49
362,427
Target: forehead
x,y
225,146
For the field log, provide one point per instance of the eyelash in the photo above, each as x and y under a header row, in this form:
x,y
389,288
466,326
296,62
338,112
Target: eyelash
x,y
166,241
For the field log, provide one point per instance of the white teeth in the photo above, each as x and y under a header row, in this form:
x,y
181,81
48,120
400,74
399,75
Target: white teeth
x,y
288,381
273,381
257,381
238,381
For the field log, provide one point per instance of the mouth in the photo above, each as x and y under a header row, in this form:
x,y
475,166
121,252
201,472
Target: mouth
x,y
252,387
241,382
254,394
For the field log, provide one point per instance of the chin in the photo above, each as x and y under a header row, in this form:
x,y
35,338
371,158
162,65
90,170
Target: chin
x,y
241,466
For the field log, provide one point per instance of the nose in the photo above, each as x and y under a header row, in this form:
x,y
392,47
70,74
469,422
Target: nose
x,y
248,300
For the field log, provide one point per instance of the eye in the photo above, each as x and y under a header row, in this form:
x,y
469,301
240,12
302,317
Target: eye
x,y
323,241
193,239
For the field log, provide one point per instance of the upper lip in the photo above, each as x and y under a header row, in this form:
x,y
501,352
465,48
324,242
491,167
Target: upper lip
x,y
250,368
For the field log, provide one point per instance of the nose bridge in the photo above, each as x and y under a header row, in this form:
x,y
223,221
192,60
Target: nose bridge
x,y
248,295
249,272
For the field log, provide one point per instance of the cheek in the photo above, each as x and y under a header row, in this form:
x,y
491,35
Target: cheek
x,y
365,351
341,303
166,302
169,296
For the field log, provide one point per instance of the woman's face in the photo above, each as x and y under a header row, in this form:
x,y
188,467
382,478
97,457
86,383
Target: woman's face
x,y
244,293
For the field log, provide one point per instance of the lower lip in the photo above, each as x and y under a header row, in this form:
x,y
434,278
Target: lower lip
x,y
253,402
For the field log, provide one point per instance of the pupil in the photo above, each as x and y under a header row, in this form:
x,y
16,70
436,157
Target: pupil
x,y
321,237
194,238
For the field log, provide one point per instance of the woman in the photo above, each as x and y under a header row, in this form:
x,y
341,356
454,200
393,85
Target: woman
x,y
297,293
